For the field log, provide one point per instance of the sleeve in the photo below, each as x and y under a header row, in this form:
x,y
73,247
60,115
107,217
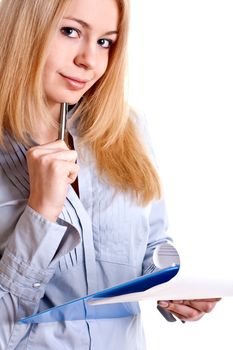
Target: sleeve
x,y
158,218
158,234
27,265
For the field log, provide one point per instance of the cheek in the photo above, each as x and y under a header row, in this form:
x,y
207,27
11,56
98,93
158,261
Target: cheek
x,y
99,72
53,62
46,74
49,67
103,64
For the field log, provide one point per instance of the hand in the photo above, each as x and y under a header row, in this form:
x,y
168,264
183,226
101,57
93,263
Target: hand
x,y
51,169
189,310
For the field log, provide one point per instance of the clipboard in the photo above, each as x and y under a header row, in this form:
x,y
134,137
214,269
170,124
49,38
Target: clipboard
x,y
85,308
170,281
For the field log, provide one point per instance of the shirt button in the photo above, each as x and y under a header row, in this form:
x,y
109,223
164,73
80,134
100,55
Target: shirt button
x,y
36,285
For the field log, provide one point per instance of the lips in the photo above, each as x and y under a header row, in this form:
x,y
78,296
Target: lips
x,y
75,82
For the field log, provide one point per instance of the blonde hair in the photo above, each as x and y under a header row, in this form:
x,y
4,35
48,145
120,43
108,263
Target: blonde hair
x,y
26,28
105,124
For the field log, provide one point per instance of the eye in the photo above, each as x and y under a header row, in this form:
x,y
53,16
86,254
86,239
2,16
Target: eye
x,y
70,32
105,43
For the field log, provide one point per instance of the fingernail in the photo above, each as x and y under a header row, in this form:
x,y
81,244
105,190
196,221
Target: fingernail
x,y
163,303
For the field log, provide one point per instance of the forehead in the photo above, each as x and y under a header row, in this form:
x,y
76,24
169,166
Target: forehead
x,y
99,14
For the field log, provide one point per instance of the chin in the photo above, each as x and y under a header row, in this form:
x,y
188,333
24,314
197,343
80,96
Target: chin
x,y
67,97
71,100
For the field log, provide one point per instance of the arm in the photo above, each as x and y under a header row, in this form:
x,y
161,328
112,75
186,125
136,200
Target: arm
x,y
158,226
27,265
35,243
186,310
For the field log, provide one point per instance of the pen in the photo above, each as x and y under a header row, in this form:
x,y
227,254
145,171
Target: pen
x,y
167,314
63,117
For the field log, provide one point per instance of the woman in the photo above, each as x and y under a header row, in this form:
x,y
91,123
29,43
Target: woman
x,y
79,216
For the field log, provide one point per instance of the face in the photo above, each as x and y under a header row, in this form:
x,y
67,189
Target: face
x,y
79,52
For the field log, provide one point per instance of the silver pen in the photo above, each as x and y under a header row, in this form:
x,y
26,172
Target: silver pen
x,y
63,118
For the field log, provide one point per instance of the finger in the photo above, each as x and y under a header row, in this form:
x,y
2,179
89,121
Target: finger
x,y
73,173
203,305
46,156
185,312
48,147
192,318
55,144
65,155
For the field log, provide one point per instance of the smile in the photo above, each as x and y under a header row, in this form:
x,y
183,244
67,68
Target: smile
x,y
74,82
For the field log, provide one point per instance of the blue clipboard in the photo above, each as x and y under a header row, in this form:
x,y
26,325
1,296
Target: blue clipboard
x,y
80,309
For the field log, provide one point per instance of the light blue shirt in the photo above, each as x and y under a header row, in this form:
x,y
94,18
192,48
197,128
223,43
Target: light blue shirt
x,y
101,239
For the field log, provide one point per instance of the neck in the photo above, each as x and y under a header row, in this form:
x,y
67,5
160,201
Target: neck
x,y
55,111
46,134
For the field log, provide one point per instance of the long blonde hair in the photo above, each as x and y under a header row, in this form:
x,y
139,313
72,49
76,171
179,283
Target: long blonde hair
x,y
105,124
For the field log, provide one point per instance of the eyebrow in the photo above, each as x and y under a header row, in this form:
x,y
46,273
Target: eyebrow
x,y
88,26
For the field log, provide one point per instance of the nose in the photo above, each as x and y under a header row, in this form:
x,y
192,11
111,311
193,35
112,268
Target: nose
x,y
86,55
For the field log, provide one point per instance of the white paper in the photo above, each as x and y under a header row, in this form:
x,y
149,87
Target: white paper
x,y
188,283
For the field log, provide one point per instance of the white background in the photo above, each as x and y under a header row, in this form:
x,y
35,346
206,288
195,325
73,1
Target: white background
x,y
181,76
